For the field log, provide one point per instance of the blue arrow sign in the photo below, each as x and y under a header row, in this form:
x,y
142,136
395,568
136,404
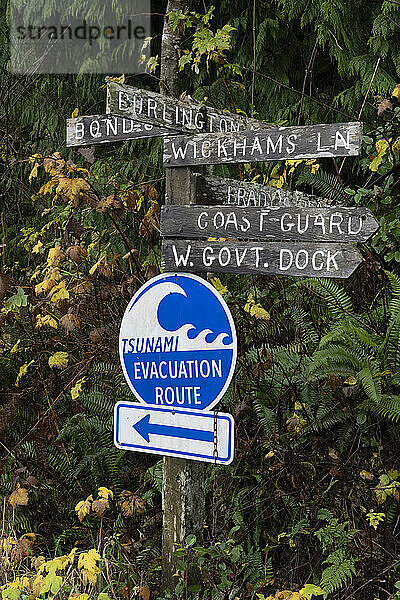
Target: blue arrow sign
x,y
145,428
175,432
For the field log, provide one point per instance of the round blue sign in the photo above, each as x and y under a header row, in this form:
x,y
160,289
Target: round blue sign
x,y
178,342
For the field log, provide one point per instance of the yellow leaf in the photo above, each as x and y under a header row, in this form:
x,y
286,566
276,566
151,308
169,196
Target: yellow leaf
x,y
59,292
396,92
36,248
55,256
34,172
222,289
88,567
22,371
105,493
120,79
75,113
47,188
72,188
351,381
256,310
52,276
76,390
46,320
19,497
59,360
83,507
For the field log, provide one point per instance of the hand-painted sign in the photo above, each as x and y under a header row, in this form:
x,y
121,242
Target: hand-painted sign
x,y
340,224
270,258
178,343
99,129
218,190
274,143
183,115
171,431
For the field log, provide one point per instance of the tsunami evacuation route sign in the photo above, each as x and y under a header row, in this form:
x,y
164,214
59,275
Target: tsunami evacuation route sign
x,y
178,353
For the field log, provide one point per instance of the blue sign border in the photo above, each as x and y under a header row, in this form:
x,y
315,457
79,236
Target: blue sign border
x,y
163,451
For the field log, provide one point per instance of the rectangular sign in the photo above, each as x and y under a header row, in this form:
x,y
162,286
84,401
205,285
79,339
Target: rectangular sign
x,y
219,190
162,111
274,143
337,224
271,258
173,431
98,129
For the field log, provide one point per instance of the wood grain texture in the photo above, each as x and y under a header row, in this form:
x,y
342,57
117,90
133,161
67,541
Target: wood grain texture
x,y
338,224
272,258
100,129
274,143
183,115
218,191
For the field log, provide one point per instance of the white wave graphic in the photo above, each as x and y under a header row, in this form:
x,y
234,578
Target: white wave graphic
x,y
140,321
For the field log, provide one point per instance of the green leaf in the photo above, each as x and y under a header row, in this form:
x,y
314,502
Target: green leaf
x,y
310,590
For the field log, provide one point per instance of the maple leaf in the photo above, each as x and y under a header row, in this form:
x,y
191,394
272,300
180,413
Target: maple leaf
x,y
46,320
383,105
73,189
59,292
70,322
48,187
99,506
83,507
87,564
50,280
76,253
105,493
59,360
55,256
54,164
19,497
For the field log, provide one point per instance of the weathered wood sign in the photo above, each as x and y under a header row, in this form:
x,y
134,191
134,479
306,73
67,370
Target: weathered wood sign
x,y
218,190
183,115
274,143
340,224
270,258
98,129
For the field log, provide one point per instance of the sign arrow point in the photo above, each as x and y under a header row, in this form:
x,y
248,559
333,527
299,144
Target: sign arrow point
x,y
143,427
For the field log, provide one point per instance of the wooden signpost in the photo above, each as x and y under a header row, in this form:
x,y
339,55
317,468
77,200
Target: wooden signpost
x,y
292,259
216,190
337,224
99,129
274,143
187,115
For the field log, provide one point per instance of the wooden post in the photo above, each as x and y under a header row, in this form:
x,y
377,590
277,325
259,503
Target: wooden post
x,y
183,495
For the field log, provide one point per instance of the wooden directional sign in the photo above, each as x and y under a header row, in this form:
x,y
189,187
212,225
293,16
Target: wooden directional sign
x,y
98,129
183,115
218,190
274,143
337,224
270,258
